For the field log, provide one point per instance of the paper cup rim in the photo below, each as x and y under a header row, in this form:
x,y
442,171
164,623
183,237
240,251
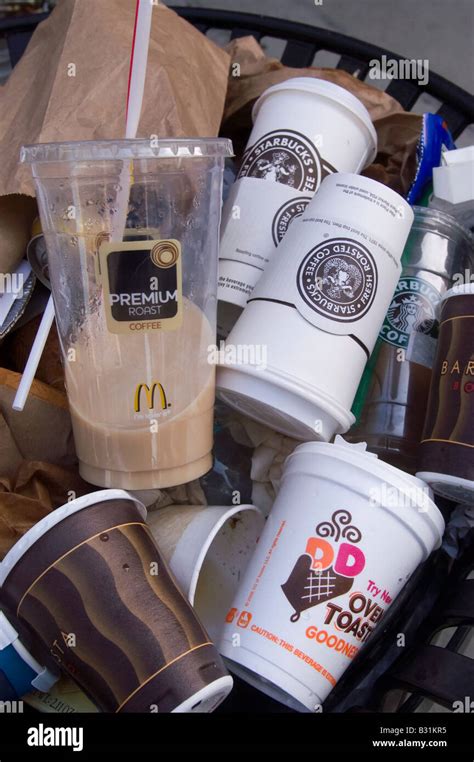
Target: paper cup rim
x,y
55,517
328,90
355,178
385,472
198,564
282,383
448,480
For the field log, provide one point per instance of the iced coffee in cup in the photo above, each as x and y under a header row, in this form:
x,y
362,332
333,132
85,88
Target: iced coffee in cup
x,y
135,307
344,535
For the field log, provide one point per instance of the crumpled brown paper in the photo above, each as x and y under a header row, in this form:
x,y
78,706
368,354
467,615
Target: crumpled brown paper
x,y
251,72
42,431
29,486
35,491
16,349
395,163
71,83
16,217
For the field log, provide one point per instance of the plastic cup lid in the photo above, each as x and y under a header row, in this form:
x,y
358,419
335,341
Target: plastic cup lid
x,y
324,89
357,455
55,517
113,150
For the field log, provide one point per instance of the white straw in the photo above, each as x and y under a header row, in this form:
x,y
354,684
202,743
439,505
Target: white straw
x,y
138,67
134,106
34,357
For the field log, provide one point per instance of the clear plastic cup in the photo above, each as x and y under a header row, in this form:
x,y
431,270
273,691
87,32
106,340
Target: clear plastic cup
x,y
131,229
396,383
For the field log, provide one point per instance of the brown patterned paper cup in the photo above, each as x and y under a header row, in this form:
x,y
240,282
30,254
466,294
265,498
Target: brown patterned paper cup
x,y
447,448
89,582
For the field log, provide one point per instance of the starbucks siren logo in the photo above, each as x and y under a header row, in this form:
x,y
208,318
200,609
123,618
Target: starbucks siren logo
x,y
338,279
285,216
286,157
412,309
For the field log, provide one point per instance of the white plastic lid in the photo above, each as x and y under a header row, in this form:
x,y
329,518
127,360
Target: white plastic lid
x,y
357,455
55,517
324,89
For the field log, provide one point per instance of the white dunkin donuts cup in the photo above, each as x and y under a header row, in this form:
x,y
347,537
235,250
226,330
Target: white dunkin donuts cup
x,y
304,129
344,535
207,549
318,309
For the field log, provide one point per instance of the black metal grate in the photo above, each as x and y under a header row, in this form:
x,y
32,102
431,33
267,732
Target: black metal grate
x,y
302,44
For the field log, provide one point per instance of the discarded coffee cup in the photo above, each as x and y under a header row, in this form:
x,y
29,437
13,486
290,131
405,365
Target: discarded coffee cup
x,y
207,549
135,304
447,448
89,582
19,669
318,309
304,129
344,535
395,386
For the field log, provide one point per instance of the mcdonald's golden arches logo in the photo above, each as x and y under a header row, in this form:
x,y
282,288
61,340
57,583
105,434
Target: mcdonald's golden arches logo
x,y
150,394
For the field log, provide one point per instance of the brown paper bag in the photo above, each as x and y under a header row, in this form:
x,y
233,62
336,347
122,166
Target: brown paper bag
x,y
36,489
42,431
251,72
16,217
16,349
71,83
395,163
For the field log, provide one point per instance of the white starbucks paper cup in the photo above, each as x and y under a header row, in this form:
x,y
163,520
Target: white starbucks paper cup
x,y
207,549
304,129
318,310
344,535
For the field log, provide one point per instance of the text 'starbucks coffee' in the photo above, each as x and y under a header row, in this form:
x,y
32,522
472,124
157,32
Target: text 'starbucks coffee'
x,y
390,404
447,448
89,582
304,129
318,309
344,535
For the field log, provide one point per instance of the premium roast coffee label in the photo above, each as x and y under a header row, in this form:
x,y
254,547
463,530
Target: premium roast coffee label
x,y
288,157
286,214
412,310
338,279
142,285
